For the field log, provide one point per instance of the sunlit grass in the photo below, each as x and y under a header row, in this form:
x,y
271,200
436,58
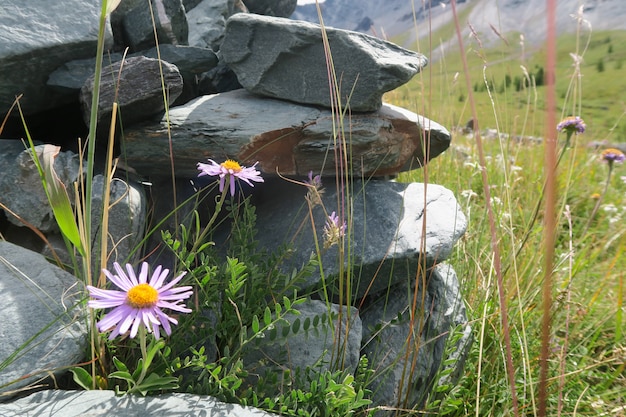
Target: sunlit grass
x,y
587,349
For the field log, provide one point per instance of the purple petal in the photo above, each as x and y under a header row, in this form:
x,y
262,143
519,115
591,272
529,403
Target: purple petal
x,y
143,275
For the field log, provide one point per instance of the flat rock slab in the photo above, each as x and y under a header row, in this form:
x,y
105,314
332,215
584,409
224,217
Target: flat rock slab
x,y
282,136
283,58
106,403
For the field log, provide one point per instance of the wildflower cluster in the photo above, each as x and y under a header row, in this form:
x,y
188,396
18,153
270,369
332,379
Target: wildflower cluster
x,y
334,230
572,124
612,155
315,191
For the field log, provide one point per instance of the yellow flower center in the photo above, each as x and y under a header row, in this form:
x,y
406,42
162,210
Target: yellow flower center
x,y
142,296
231,165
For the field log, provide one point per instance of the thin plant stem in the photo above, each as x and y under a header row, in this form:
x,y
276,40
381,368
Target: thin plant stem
x,y
144,355
492,224
218,209
550,207
568,296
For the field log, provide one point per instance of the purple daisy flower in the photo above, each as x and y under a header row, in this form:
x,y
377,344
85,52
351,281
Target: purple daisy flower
x,y
572,124
230,169
140,301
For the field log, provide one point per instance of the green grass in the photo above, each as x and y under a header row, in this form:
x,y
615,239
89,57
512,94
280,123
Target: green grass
x,y
587,350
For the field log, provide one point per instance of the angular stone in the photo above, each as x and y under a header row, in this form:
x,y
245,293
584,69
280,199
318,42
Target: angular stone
x,y
311,339
126,220
107,403
396,230
387,334
207,20
278,8
35,38
43,320
169,18
21,188
190,61
282,58
285,137
138,89
23,194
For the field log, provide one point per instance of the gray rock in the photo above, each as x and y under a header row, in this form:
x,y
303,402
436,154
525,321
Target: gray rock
x,y
390,238
190,61
285,59
36,37
138,90
169,18
106,403
126,220
313,339
278,8
23,194
43,320
283,136
387,334
21,187
207,20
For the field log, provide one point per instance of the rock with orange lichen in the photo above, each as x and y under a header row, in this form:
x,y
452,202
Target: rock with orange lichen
x,y
284,137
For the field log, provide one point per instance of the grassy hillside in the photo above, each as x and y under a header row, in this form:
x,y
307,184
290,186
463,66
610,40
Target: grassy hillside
x,y
513,73
586,372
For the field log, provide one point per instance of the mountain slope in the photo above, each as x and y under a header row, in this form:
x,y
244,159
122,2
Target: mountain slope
x,y
528,17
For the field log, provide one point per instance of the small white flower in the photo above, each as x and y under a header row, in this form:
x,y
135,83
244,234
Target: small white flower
x,y
609,208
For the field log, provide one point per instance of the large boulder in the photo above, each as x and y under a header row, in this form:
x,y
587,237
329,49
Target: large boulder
x,y
391,326
36,37
44,322
285,137
282,58
320,338
396,229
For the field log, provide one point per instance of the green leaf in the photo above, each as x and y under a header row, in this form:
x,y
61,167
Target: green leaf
x,y
59,199
153,348
295,326
119,365
82,378
267,316
255,324
155,382
126,376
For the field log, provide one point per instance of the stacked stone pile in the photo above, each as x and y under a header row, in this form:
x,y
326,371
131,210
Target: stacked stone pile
x,y
242,81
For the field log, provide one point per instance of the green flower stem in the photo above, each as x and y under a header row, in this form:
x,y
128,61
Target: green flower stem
x,y
218,209
144,355
535,215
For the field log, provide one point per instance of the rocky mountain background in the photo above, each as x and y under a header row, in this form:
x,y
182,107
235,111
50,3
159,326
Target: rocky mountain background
x,y
396,18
